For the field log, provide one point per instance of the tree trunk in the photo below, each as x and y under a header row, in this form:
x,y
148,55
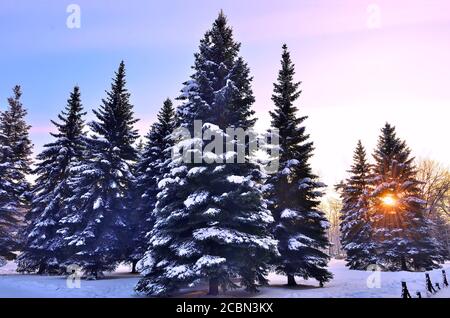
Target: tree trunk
x,y
291,280
403,261
94,274
133,267
213,287
41,269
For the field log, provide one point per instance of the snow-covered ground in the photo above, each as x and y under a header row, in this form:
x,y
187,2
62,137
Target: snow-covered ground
x,y
117,285
445,293
355,284
346,283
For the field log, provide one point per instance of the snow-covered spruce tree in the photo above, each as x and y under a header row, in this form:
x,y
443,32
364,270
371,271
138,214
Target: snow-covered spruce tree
x,y
356,230
401,231
151,168
211,222
98,217
293,191
15,162
44,244
9,218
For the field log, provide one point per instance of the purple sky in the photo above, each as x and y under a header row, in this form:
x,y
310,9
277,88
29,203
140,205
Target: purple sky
x,y
361,64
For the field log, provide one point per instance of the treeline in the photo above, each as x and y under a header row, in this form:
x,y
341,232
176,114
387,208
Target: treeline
x,y
101,198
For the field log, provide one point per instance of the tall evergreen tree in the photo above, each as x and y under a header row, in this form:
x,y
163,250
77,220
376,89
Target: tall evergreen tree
x,y
151,168
98,211
9,218
15,162
44,245
356,228
401,231
293,192
211,222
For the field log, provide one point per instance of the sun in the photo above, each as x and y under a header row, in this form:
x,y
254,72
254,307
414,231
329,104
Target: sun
x,y
389,200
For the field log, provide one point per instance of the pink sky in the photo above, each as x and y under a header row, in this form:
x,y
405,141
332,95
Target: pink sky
x,y
355,78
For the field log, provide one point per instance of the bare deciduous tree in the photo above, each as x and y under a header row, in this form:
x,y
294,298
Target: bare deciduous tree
x,y
435,180
332,209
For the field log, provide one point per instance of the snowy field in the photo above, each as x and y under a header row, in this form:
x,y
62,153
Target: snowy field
x,y
120,284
